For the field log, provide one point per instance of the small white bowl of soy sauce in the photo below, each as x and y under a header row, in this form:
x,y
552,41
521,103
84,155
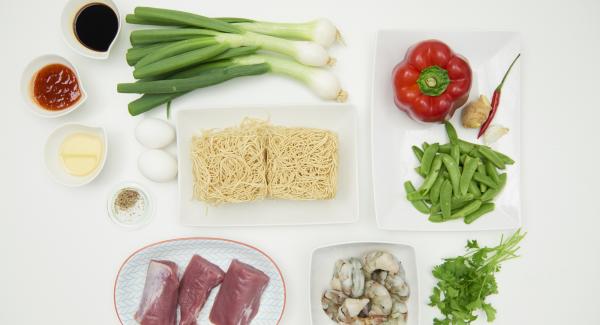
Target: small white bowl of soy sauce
x,y
91,27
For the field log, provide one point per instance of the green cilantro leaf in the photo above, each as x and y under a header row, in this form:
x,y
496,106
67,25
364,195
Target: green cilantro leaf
x,y
464,282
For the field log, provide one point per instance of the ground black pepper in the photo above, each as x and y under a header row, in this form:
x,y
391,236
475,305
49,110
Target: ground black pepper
x,y
126,199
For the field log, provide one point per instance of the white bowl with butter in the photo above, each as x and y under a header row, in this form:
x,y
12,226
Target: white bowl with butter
x,y
75,153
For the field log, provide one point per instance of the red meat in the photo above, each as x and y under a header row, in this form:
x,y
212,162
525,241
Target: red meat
x,y
238,299
159,300
199,278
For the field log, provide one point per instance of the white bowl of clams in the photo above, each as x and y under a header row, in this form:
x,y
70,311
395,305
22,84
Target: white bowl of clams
x,y
363,283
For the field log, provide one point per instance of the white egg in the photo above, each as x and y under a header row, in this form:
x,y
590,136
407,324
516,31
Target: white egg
x,y
154,133
157,165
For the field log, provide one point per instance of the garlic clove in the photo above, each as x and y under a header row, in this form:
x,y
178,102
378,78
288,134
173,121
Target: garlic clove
x,y
494,133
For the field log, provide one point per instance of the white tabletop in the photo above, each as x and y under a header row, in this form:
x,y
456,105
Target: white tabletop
x,y
60,252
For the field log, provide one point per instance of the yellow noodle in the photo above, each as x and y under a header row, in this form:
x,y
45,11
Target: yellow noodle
x,y
301,163
256,160
229,165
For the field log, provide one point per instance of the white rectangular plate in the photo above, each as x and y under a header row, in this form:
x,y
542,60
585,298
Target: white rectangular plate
x,y
340,119
324,258
393,132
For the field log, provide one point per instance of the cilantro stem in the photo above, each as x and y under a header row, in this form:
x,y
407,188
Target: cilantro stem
x,y
465,281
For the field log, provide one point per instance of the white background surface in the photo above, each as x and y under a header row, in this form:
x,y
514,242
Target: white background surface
x,y
60,253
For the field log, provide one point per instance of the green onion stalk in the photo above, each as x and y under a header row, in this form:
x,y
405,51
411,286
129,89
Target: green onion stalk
x,y
321,81
195,51
321,31
305,52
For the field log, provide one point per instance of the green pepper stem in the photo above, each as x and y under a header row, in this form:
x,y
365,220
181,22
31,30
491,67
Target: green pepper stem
x,y
433,81
507,72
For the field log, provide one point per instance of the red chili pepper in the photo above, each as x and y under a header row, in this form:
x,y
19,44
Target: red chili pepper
x,y
496,100
431,82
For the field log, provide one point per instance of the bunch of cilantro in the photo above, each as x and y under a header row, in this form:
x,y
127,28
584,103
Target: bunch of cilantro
x,y
464,282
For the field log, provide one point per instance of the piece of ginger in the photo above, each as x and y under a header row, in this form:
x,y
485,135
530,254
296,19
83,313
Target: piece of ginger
x,y
476,112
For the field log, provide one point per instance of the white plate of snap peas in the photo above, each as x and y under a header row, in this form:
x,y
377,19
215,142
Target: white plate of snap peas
x,y
393,135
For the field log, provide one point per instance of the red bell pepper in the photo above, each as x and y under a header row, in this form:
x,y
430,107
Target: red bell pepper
x,y
431,82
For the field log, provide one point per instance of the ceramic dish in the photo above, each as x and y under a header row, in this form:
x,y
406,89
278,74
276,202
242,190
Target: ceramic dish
x,y
323,260
343,209
67,19
52,156
130,280
393,132
30,73
137,222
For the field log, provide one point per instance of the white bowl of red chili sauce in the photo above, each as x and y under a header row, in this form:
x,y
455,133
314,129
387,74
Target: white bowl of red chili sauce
x,y
51,86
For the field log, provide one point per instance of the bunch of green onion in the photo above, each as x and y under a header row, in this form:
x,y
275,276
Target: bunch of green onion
x,y
195,51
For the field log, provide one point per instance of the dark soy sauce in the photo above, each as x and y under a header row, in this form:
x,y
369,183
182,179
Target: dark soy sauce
x,y
96,26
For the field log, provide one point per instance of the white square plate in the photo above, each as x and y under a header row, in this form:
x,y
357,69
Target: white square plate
x,y
323,260
393,132
340,119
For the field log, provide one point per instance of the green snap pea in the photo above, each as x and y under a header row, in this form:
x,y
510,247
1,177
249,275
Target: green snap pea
x,y
434,193
432,176
455,153
428,156
445,148
482,171
505,159
451,131
419,205
466,210
485,180
437,218
414,196
418,153
474,189
493,192
491,171
483,209
466,147
418,170
472,206
453,171
460,178
459,202
492,157
475,154
434,209
446,199
467,174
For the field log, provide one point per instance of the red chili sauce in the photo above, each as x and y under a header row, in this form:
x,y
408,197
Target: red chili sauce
x,y
55,87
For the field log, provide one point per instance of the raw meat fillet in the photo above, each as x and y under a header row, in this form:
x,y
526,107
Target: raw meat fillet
x,y
159,300
238,299
199,278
